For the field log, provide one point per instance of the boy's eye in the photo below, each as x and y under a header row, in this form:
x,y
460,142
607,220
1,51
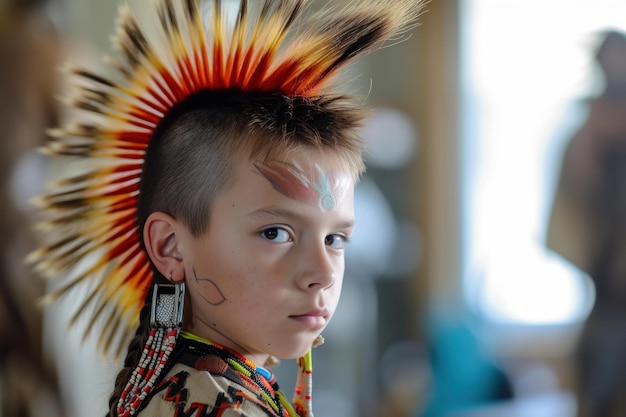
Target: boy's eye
x,y
276,234
336,241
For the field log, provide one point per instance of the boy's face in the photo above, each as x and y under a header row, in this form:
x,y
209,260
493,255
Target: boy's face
x,y
266,277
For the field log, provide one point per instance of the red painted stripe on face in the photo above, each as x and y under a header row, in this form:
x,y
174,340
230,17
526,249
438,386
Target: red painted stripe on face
x,y
287,181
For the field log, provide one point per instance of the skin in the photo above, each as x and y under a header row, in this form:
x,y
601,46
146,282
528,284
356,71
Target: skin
x,y
265,278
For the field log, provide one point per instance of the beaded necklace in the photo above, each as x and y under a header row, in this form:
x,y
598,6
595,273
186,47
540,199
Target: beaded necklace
x,y
262,378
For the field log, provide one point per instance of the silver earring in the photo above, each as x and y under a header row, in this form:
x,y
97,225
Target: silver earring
x,y
167,306
166,319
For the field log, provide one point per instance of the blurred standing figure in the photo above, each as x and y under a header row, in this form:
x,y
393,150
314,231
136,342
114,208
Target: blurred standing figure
x,y
30,55
588,227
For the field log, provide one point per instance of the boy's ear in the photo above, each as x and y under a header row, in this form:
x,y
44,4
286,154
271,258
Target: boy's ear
x,y
161,239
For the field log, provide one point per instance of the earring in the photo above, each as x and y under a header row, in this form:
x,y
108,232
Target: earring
x,y
166,320
167,306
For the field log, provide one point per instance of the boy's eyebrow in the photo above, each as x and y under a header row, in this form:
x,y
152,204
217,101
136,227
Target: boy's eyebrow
x,y
273,212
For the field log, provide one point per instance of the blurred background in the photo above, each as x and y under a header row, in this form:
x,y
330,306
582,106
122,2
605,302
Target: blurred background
x,y
485,276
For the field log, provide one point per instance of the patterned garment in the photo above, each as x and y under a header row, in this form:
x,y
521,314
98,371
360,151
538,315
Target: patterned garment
x,y
205,379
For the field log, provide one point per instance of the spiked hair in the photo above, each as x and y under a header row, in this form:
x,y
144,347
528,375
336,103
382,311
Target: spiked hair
x,y
274,70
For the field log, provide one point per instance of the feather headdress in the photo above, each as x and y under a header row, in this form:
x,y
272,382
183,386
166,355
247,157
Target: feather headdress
x,y
277,47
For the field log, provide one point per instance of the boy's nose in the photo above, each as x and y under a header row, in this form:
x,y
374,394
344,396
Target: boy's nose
x,y
317,267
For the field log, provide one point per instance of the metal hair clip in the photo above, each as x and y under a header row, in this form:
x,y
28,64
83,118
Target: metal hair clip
x,y
167,306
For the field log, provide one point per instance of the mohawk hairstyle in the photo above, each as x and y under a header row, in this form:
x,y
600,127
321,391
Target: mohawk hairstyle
x,y
280,48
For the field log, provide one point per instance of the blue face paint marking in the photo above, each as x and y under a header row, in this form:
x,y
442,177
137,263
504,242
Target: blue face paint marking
x,y
327,199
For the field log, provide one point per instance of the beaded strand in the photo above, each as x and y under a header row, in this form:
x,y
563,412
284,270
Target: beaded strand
x,y
158,348
302,399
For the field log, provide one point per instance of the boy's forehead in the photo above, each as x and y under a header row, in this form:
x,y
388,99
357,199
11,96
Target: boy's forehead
x,y
322,182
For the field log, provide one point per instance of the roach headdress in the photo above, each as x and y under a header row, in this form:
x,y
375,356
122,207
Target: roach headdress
x,y
272,46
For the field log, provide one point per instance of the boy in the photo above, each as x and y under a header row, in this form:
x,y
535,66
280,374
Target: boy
x,y
221,177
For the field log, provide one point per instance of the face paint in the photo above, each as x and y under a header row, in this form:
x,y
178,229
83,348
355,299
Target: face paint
x,y
316,188
211,293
